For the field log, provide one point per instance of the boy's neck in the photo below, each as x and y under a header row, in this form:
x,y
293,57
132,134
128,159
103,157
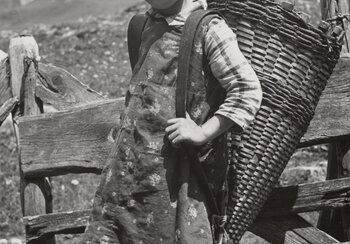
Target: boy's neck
x,y
174,9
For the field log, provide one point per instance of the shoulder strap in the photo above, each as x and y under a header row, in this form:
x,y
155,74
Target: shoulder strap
x,y
192,24
186,46
135,29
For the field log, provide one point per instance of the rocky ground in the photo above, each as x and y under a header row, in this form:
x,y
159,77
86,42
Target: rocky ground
x,y
94,50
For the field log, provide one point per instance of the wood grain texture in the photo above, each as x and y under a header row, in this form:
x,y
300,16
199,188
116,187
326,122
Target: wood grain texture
x,y
308,197
5,84
37,192
320,130
62,90
283,203
3,55
73,141
337,221
20,48
7,108
332,116
288,230
56,223
23,56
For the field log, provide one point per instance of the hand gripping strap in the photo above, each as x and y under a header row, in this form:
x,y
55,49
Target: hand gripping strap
x,y
191,27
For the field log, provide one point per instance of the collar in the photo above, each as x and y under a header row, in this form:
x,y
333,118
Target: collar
x,y
188,7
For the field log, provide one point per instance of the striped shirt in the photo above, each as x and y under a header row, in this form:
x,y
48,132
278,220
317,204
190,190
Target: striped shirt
x,y
234,73
228,65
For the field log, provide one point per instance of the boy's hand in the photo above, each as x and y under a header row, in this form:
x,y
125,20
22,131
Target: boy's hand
x,y
185,130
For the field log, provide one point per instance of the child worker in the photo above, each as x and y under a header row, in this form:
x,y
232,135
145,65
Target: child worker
x,y
148,192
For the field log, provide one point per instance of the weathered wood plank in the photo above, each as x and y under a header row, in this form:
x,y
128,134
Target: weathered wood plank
x,y
290,230
308,197
36,195
332,116
63,95
7,108
5,84
62,90
7,102
73,141
72,123
82,145
3,55
336,221
56,223
21,47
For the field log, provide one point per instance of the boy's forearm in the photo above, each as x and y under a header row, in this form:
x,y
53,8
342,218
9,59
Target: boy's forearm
x,y
215,126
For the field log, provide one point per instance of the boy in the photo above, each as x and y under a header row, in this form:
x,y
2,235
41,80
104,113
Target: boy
x,y
148,192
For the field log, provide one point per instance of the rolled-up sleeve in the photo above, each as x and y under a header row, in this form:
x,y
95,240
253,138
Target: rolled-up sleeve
x,y
234,73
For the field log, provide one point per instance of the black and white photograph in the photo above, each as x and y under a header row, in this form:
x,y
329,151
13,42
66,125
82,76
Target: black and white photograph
x,y
174,121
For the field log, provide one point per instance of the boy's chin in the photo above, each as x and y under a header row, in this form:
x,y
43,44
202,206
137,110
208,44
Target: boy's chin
x,y
162,4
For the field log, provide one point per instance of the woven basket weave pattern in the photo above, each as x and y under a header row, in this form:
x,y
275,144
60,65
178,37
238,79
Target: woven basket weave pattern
x,y
293,62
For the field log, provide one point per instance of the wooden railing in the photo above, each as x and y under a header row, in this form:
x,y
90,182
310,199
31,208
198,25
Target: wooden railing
x,y
77,137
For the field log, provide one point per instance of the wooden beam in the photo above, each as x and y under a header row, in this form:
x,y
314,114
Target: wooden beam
x,y
3,55
21,48
73,134
337,221
5,84
56,223
86,149
7,108
23,55
284,201
290,230
6,98
73,141
62,90
332,116
308,197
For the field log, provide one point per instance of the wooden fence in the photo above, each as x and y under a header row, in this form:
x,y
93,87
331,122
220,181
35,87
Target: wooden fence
x,y
78,136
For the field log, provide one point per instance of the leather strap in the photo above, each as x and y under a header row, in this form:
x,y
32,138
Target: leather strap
x,y
135,29
186,46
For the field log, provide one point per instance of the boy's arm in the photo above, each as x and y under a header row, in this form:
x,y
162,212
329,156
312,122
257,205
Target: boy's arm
x,y
186,130
234,73
236,76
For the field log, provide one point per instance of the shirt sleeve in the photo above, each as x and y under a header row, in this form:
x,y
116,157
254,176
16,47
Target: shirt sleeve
x,y
234,73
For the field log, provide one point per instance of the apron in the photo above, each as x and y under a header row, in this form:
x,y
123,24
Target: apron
x,y
148,193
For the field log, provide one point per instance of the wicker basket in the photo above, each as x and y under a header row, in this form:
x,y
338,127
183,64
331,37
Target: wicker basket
x,y
293,61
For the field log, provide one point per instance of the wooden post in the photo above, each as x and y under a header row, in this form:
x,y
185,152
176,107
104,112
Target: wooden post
x,y
336,222
330,9
3,55
7,102
35,193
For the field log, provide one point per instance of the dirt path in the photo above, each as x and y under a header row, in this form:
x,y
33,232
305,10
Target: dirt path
x,y
54,11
